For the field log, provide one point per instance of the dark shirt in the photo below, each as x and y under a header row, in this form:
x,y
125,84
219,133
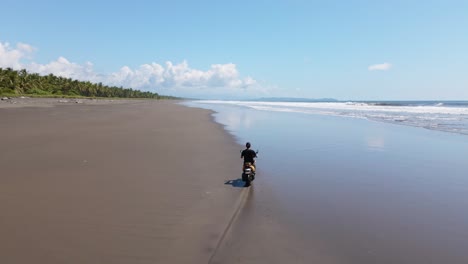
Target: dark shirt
x,y
248,155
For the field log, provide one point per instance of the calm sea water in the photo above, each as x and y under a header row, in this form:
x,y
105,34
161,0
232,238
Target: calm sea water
x,y
368,182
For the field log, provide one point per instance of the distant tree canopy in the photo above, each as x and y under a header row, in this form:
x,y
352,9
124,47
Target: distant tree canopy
x,y
23,83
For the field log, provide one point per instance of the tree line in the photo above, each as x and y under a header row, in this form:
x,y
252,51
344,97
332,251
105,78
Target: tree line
x,y
13,82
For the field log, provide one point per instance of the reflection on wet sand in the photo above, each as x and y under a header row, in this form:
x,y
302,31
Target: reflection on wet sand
x,y
338,190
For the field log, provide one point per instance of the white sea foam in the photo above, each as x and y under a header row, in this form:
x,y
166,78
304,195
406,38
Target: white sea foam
x,y
435,116
349,106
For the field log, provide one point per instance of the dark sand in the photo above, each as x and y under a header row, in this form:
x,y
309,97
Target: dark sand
x,y
114,182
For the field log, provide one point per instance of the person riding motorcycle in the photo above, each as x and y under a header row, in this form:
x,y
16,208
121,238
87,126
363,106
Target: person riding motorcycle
x,y
249,157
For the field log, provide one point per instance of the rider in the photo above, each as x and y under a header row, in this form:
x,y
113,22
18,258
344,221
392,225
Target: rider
x,y
248,156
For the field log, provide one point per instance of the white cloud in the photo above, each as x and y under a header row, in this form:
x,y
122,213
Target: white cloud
x,y
380,67
179,77
25,47
63,67
11,57
175,79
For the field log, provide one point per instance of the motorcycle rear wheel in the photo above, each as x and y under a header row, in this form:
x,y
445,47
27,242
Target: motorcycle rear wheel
x,y
244,177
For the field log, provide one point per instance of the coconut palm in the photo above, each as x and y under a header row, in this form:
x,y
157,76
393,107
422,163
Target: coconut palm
x,y
22,82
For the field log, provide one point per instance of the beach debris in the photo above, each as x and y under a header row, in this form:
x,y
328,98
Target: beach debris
x,y
63,101
78,102
5,98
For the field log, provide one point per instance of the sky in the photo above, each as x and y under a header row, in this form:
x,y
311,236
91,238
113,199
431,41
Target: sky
x,y
347,50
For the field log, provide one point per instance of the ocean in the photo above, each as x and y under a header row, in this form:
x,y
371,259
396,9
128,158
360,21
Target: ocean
x,y
363,182
448,116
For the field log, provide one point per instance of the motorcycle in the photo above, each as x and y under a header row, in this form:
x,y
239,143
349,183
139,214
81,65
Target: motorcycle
x,y
248,172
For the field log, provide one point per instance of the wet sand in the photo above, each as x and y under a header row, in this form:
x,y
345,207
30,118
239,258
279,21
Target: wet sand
x,y
341,190
114,182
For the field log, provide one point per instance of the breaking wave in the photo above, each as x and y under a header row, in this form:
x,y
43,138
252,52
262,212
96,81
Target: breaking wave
x,y
442,116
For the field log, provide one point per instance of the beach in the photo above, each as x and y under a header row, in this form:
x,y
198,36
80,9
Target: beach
x,y
126,129
144,181
102,181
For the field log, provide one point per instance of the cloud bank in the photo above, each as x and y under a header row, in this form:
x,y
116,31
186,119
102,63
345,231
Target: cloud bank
x,y
380,67
169,78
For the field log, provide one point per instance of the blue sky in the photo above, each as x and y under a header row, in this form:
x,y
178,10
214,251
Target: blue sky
x,y
349,50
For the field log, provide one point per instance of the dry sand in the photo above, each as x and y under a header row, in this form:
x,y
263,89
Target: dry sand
x,y
126,181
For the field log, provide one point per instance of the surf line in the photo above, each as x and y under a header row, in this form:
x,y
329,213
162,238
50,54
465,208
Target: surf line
x,y
240,204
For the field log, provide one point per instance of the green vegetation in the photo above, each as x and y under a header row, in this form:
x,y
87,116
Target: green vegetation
x,y
18,83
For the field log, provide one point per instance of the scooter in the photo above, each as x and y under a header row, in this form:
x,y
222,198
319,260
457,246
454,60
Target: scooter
x,y
248,172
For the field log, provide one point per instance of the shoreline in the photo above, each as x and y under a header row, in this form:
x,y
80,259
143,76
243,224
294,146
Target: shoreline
x,y
343,189
126,182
